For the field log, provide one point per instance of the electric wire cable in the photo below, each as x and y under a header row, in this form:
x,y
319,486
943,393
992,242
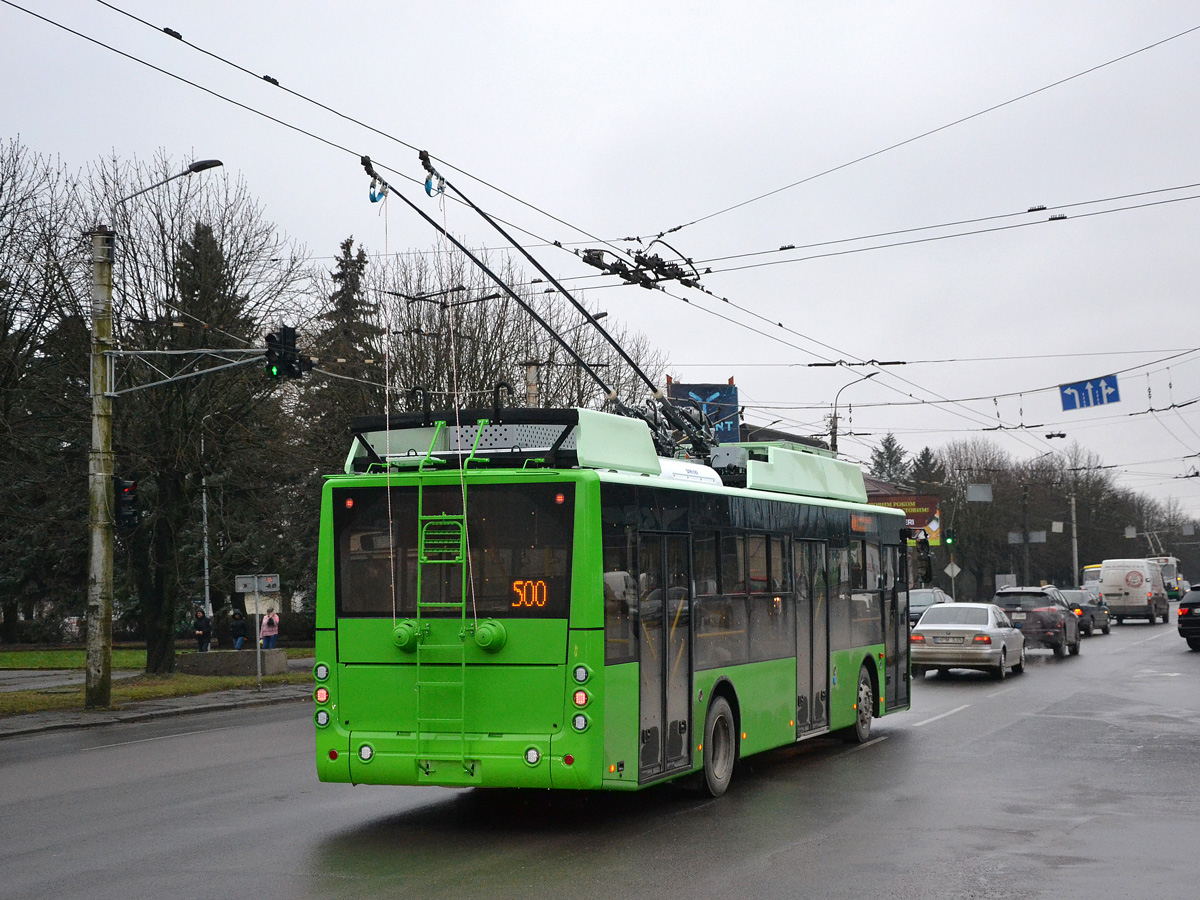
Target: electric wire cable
x,y
934,131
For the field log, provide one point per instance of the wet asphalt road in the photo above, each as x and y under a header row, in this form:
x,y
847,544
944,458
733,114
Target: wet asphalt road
x,y
1075,779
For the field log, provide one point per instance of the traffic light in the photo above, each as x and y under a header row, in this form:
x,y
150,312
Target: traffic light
x,y
274,356
924,560
283,359
290,358
948,539
125,507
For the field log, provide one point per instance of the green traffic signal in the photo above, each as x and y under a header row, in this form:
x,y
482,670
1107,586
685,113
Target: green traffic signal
x,y
949,537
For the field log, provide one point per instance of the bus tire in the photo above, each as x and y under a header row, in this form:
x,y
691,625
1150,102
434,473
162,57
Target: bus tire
x,y
864,710
720,747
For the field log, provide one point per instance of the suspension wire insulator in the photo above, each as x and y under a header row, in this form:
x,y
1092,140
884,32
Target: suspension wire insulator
x,y
432,176
375,195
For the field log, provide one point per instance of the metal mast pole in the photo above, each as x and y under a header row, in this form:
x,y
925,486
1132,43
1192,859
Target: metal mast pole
x,y
98,670
1074,543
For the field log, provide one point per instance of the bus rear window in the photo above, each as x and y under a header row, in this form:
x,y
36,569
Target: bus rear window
x,y
520,550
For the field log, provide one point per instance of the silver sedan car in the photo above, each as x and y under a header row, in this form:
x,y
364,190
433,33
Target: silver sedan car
x,y
966,636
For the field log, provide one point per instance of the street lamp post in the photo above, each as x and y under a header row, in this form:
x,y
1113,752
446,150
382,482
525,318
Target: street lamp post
x,y
833,420
97,691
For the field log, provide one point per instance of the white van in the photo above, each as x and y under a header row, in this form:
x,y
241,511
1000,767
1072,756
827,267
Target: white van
x,y
1133,588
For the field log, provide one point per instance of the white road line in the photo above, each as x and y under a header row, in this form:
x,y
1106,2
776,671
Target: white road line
x,y
870,743
1143,641
942,716
148,740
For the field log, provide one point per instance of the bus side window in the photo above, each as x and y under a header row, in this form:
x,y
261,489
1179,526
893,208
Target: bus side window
x,y
620,595
839,598
721,628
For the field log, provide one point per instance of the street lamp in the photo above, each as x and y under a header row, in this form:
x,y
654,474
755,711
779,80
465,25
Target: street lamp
x,y
98,668
833,420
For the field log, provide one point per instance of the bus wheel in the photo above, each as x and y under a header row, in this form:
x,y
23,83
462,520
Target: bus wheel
x,y
720,747
864,710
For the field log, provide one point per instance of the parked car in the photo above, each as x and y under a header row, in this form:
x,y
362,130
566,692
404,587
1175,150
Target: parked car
x,y
1043,616
1188,617
966,636
920,599
1090,610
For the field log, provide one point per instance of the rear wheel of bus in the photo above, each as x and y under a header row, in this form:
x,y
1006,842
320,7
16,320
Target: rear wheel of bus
x,y
720,747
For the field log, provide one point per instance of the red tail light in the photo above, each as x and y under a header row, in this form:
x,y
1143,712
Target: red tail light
x,y
916,638
983,639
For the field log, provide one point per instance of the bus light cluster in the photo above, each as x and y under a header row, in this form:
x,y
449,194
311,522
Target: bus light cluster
x,y
580,697
321,695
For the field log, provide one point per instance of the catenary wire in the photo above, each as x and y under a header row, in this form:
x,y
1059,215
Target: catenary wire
x,y
933,131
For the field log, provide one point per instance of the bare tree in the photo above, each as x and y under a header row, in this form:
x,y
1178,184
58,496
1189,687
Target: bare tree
x,y
43,376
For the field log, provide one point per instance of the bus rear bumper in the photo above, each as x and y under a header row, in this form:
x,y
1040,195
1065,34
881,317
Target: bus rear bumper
x,y
511,761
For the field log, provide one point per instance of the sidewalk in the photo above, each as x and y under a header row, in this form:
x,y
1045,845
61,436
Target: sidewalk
x,y
34,723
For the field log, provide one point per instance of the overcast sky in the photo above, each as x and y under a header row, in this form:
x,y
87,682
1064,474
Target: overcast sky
x,y
627,119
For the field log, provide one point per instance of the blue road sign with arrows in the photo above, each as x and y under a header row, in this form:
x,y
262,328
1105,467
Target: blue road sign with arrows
x,y
1093,392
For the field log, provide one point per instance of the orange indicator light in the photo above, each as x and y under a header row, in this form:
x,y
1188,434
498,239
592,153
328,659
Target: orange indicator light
x,y
612,769
743,735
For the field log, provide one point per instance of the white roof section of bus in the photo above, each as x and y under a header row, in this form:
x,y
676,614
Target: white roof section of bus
x,y
789,471
608,442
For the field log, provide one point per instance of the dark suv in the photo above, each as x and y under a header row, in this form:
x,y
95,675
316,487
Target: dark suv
x,y
1044,617
1188,617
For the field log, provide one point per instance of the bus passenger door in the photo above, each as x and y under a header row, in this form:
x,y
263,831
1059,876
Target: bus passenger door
x,y
665,653
812,638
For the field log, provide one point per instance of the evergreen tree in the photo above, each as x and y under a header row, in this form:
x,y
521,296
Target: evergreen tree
x,y
889,461
927,472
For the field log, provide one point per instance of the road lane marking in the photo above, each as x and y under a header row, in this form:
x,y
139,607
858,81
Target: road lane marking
x,y
1143,640
870,743
159,738
942,716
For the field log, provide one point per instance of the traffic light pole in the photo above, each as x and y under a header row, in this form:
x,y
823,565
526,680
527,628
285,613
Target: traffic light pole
x,y
98,668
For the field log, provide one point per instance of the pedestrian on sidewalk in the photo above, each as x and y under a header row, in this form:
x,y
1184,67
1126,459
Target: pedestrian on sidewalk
x,y
203,630
237,629
269,631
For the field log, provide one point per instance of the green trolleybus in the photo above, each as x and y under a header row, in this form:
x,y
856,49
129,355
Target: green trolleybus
x,y
535,598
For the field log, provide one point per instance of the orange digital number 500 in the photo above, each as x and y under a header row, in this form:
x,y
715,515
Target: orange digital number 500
x,y
529,593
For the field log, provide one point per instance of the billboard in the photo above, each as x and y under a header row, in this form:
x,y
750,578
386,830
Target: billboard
x,y
920,512
718,401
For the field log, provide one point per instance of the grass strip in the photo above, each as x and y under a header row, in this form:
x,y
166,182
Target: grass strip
x,y
75,658
137,689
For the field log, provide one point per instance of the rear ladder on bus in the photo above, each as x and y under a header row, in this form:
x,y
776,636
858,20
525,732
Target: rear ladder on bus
x,y
442,667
